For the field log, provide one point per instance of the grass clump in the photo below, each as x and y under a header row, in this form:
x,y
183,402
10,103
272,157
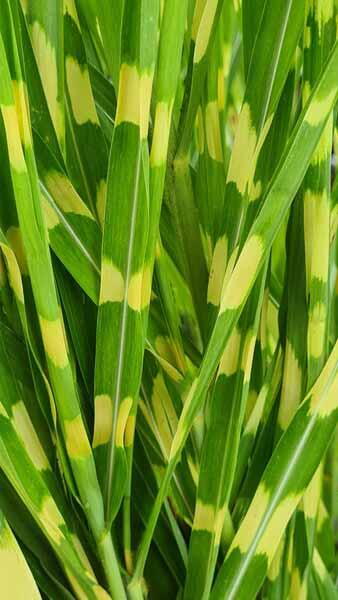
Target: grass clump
x,y
169,305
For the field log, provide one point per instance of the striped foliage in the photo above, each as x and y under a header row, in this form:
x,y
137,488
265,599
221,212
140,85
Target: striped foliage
x,y
169,299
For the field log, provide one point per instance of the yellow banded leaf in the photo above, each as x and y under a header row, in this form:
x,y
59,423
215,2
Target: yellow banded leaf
x,y
103,419
124,410
54,341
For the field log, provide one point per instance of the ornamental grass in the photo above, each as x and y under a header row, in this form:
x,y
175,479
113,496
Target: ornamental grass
x,y
169,300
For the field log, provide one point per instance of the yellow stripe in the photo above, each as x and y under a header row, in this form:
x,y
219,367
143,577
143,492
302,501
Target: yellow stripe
x,y
65,195
204,517
251,520
326,401
204,30
129,431
213,132
13,272
316,330
307,37
312,494
247,354
46,58
128,104
82,554
324,11
217,270
243,153
159,148
146,84
112,283
298,587
318,108
17,582
229,360
198,12
139,289
15,152
277,562
14,237
25,429
54,342
257,411
255,191
76,439
291,387
193,470
103,419
69,7
124,411
244,273
80,93
20,95
317,212
276,526
49,214
51,519
322,515
319,565
100,593
147,278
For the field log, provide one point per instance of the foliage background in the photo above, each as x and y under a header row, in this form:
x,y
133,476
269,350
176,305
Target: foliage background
x,y
169,299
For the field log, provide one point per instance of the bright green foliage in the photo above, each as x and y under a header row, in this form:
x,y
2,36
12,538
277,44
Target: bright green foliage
x,y
169,299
